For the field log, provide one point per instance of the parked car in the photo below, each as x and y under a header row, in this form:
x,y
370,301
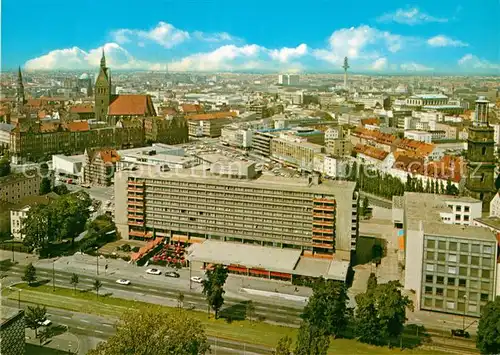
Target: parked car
x,y
460,333
123,282
153,272
172,274
197,279
45,323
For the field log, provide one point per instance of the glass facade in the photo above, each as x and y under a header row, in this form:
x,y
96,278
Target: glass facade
x,y
458,274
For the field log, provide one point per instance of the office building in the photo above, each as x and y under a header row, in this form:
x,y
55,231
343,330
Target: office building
x,y
421,136
237,137
230,202
426,100
12,331
208,124
294,151
449,263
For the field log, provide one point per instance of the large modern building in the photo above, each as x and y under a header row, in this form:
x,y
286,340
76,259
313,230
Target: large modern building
x,y
449,263
231,203
12,331
295,151
427,100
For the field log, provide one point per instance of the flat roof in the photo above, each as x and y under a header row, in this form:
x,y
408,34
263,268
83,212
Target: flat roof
x,y
269,258
80,158
459,231
8,313
493,222
429,96
252,256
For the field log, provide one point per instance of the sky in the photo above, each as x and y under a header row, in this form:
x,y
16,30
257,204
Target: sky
x,y
424,37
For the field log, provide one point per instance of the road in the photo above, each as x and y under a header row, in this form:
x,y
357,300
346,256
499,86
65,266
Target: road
x,y
376,201
87,325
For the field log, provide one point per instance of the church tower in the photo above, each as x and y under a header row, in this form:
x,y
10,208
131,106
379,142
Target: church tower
x,y
480,182
20,99
102,91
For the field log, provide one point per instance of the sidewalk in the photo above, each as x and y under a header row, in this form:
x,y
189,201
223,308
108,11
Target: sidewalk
x,y
63,343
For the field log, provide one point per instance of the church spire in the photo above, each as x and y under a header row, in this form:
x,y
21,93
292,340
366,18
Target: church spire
x,y
103,59
20,90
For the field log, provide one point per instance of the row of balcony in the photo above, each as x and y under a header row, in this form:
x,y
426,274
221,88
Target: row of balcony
x,y
134,223
324,231
323,223
324,215
322,245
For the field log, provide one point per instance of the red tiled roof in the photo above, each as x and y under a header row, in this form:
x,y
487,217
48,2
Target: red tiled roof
x,y
168,111
210,116
81,109
370,121
34,102
78,126
131,105
371,151
109,156
49,127
191,108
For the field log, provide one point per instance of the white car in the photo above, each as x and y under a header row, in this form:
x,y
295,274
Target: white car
x,y
45,323
153,272
197,279
123,282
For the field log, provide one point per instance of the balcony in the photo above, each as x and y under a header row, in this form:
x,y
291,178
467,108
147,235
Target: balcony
x,y
134,223
130,189
323,215
324,208
135,203
135,217
324,231
137,197
135,210
322,238
322,245
323,223
135,183
136,233
322,200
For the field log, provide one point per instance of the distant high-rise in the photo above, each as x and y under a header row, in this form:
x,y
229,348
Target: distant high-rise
x,y
288,79
345,67
283,79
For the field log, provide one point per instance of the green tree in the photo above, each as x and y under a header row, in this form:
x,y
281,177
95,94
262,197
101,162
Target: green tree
x,y
488,331
154,331
372,283
74,281
284,346
29,274
4,166
34,317
37,227
441,187
45,186
213,287
311,340
367,327
327,307
97,286
60,189
250,310
366,205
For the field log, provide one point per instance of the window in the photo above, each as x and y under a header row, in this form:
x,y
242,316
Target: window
x,y
472,308
452,246
474,272
438,303
442,245
461,307
472,296
430,255
466,208
429,267
466,218
486,262
474,260
464,247
462,282
440,280
484,297
452,270
476,248
458,208
429,278
458,217
441,257
463,271
452,258
483,150
431,243
487,249
464,259
428,290
485,274
450,293
450,305
451,281
439,291
428,302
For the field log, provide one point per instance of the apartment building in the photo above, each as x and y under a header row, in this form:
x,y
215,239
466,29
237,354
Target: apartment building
x,y
261,140
449,263
426,100
208,124
295,151
99,166
232,204
237,137
15,187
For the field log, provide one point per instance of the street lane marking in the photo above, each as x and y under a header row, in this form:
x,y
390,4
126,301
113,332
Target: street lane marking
x,y
65,317
107,325
85,321
99,331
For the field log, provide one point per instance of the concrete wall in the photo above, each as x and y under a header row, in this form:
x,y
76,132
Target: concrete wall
x,y
121,218
413,267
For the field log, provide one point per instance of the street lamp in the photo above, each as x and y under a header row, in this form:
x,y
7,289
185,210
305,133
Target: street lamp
x,y
97,256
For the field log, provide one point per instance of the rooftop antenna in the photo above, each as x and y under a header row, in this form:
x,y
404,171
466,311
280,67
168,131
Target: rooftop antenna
x,y
345,67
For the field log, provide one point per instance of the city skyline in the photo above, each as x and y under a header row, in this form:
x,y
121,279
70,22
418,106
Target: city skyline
x,y
421,39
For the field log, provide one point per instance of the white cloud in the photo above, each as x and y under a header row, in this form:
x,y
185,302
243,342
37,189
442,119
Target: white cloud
x,y
410,16
414,67
75,58
214,37
360,43
164,34
285,54
444,41
470,61
379,64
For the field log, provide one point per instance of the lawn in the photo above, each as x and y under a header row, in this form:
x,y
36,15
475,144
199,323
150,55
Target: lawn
x,y
240,330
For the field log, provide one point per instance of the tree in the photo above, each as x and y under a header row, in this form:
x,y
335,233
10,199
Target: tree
x,y
250,310
180,300
284,346
60,189
311,340
34,317
97,286
488,331
154,331
366,322
37,227
441,187
45,186
74,281
327,307
372,283
366,204
4,166
29,274
213,287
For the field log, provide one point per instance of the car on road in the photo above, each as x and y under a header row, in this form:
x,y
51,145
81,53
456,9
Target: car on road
x,y
460,333
45,323
153,272
197,279
172,274
123,282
